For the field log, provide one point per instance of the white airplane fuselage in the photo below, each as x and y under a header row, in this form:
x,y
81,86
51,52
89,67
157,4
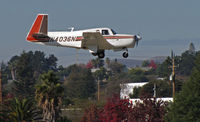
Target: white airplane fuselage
x,y
74,39
96,40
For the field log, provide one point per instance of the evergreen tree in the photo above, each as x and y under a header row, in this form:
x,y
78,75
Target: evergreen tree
x,y
191,48
26,69
185,107
80,83
186,63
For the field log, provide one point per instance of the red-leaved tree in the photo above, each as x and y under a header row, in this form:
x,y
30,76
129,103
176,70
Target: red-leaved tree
x,y
118,110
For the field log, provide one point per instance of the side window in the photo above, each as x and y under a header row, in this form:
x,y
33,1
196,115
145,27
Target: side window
x,y
105,32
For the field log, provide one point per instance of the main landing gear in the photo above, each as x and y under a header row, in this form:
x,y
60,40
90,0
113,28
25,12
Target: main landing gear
x,y
100,54
125,54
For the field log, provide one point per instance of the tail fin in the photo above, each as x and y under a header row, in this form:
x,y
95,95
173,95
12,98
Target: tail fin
x,y
38,27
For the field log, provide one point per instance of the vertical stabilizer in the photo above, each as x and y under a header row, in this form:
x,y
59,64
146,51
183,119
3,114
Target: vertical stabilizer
x,y
40,26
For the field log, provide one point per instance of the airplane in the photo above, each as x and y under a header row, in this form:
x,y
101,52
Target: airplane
x,y
96,40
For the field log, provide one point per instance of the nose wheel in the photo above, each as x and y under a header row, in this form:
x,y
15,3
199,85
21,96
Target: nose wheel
x,y
125,54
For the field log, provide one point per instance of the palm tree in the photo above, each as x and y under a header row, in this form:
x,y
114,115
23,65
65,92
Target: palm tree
x,y
49,95
19,110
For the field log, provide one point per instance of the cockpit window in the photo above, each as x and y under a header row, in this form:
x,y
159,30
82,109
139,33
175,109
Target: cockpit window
x,y
113,32
105,32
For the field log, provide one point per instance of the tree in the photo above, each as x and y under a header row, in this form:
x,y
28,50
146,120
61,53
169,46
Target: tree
x,y
49,95
152,64
137,75
107,62
26,68
97,63
145,63
89,65
191,48
5,75
148,110
186,63
163,89
90,114
113,84
19,110
136,92
119,110
116,67
80,83
163,69
100,74
186,104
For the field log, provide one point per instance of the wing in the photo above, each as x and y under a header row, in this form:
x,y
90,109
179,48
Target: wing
x,y
95,41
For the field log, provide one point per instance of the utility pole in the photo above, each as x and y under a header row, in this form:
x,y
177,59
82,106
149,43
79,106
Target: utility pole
x,y
173,72
1,100
76,56
98,83
154,90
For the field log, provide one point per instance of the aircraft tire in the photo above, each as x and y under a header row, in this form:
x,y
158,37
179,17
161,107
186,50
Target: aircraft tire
x,y
101,55
125,55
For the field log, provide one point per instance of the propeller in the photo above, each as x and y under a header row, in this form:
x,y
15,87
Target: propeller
x,y
137,38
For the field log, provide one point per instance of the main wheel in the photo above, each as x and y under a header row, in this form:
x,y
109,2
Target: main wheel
x,y
125,55
101,55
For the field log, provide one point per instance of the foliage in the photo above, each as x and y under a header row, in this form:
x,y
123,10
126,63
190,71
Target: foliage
x,y
152,64
163,69
100,74
137,75
186,104
80,83
27,67
191,48
49,95
89,65
97,63
5,75
90,114
116,67
117,110
136,92
187,63
18,110
149,110
145,63
113,84
163,89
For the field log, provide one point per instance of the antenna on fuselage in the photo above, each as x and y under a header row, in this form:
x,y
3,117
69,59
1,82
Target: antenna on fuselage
x,y
71,29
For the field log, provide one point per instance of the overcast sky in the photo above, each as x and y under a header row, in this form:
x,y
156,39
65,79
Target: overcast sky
x,y
160,22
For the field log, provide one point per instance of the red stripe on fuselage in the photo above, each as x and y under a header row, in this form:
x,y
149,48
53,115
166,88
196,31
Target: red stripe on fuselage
x,y
108,37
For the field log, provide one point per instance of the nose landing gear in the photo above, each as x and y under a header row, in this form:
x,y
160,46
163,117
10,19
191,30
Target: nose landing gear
x,y
125,54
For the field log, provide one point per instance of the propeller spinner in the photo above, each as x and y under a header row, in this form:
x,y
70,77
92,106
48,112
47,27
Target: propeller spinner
x,y
137,38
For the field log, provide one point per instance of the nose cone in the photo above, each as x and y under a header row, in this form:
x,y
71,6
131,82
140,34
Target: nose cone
x,y
137,38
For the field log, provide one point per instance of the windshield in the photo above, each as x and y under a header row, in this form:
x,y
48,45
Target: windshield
x,y
113,32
